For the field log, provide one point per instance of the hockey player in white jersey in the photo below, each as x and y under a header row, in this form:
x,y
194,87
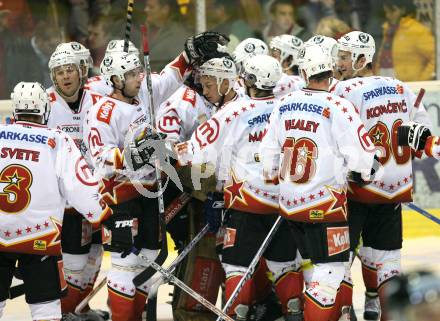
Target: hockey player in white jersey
x,y
375,207
98,83
69,101
40,169
317,137
331,46
285,48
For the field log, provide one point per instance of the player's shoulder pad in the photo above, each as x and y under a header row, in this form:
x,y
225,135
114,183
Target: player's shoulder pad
x,y
105,111
190,96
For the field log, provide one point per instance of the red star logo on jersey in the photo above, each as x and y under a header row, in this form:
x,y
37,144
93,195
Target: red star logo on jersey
x,y
339,200
108,187
58,227
234,190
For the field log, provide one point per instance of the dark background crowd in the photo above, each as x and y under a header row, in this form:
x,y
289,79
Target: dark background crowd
x,y
31,29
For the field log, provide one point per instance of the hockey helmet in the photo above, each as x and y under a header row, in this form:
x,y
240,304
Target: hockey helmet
x,y
288,45
117,64
118,46
262,71
30,98
82,53
358,43
328,43
220,68
314,59
247,48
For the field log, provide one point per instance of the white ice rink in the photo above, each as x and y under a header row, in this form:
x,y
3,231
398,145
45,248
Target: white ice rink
x,y
419,253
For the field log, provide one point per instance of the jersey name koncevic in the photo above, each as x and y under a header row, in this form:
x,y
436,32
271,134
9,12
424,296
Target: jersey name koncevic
x,y
41,169
314,138
384,104
230,140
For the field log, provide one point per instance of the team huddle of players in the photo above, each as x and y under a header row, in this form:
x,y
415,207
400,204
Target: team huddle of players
x,y
302,130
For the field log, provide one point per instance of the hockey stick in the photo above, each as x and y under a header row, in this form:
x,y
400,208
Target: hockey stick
x,y
128,24
163,254
92,293
16,291
177,282
140,278
170,269
423,212
250,270
170,212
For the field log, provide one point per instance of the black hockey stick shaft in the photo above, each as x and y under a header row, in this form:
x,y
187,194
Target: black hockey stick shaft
x,y
163,254
130,7
177,282
250,270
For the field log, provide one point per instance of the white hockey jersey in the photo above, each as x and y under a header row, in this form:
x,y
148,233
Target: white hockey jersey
x,y
180,114
62,117
287,84
230,140
314,138
41,169
384,104
163,84
105,130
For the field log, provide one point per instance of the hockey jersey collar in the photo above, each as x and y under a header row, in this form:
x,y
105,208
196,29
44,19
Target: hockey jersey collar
x,y
264,98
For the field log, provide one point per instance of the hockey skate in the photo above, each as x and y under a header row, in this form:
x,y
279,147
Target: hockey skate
x,y
347,314
294,312
267,310
372,307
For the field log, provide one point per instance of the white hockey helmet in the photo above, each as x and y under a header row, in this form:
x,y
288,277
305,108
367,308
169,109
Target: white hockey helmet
x,y
117,45
288,45
314,59
117,64
328,43
220,68
247,48
30,98
63,55
262,71
358,43
82,53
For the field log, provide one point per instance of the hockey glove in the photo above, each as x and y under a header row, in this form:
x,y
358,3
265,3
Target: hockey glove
x,y
357,177
200,47
141,150
117,235
413,134
213,209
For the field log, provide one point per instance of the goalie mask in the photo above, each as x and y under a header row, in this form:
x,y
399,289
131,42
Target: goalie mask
x,y
248,48
313,60
30,98
64,62
118,46
220,69
287,45
262,71
358,43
